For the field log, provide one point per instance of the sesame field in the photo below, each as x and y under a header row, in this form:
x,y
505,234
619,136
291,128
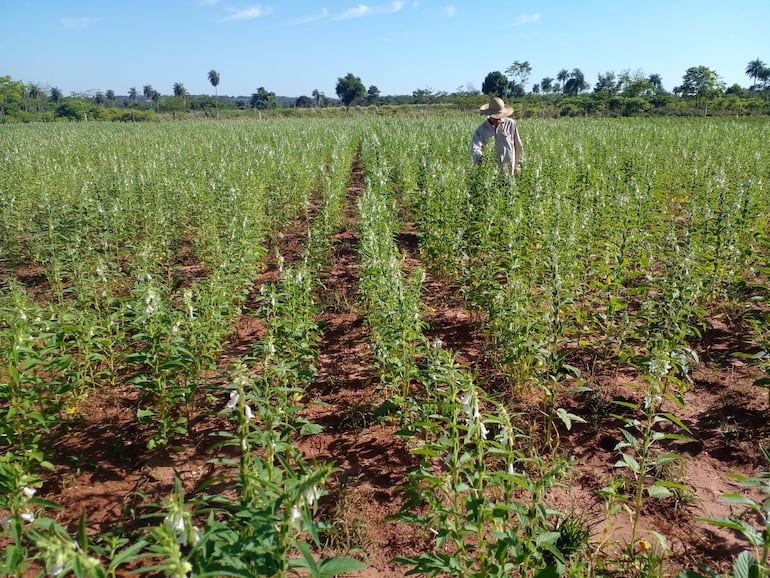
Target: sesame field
x,y
325,347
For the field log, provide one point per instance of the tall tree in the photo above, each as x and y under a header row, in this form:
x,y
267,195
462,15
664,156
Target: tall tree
x,y
701,83
349,88
606,84
575,83
373,95
656,81
151,95
754,71
133,94
11,93
179,90
562,77
317,97
764,76
262,99
180,94
495,83
214,80
35,93
55,95
519,73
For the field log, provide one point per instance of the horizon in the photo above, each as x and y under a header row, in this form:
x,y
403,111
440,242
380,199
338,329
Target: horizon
x,y
291,49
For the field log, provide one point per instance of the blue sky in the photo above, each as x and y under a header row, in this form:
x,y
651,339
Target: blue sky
x,y
293,47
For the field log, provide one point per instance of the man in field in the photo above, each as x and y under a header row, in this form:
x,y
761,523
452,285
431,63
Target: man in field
x,y
499,125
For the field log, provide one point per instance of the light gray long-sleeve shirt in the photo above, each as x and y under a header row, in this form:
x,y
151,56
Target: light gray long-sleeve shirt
x,y
507,142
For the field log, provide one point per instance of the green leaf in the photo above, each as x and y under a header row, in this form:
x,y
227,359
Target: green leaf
x,y
656,491
310,429
745,566
548,572
340,565
144,413
738,499
547,538
627,461
762,382
671,417
568,418
667,458
309,561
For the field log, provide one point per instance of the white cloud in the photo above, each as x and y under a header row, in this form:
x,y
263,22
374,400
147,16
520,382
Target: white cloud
x,y
80,22
247,13
365,10
527,19
449,11
324,13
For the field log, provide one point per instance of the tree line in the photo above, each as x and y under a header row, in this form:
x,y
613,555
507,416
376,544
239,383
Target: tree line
x,y
628,93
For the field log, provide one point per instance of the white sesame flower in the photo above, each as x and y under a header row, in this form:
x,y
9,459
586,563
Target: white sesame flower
x,y
28,517
659,367
311,495
296,515
234,397
29,492
175,522
505,435
249,414
56,569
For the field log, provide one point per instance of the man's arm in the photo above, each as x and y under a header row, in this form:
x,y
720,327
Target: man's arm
x,y
477,145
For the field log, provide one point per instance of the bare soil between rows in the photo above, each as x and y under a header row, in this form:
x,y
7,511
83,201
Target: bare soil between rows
x,y
102,466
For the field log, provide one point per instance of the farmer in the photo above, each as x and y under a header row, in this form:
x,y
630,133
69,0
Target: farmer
x,y
505,132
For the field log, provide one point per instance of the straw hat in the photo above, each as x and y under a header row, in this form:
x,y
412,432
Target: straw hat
x,y
496,108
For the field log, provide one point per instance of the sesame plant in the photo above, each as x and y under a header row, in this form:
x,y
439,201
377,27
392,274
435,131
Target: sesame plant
x,y
261,531
646,428
475,492
391,294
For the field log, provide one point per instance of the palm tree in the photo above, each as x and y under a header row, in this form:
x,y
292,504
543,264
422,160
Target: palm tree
x,y
754,70
575,83
562,76
317,97
214,80
656,81
133,95
764,76
152,95
35,93
180,92
55,95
